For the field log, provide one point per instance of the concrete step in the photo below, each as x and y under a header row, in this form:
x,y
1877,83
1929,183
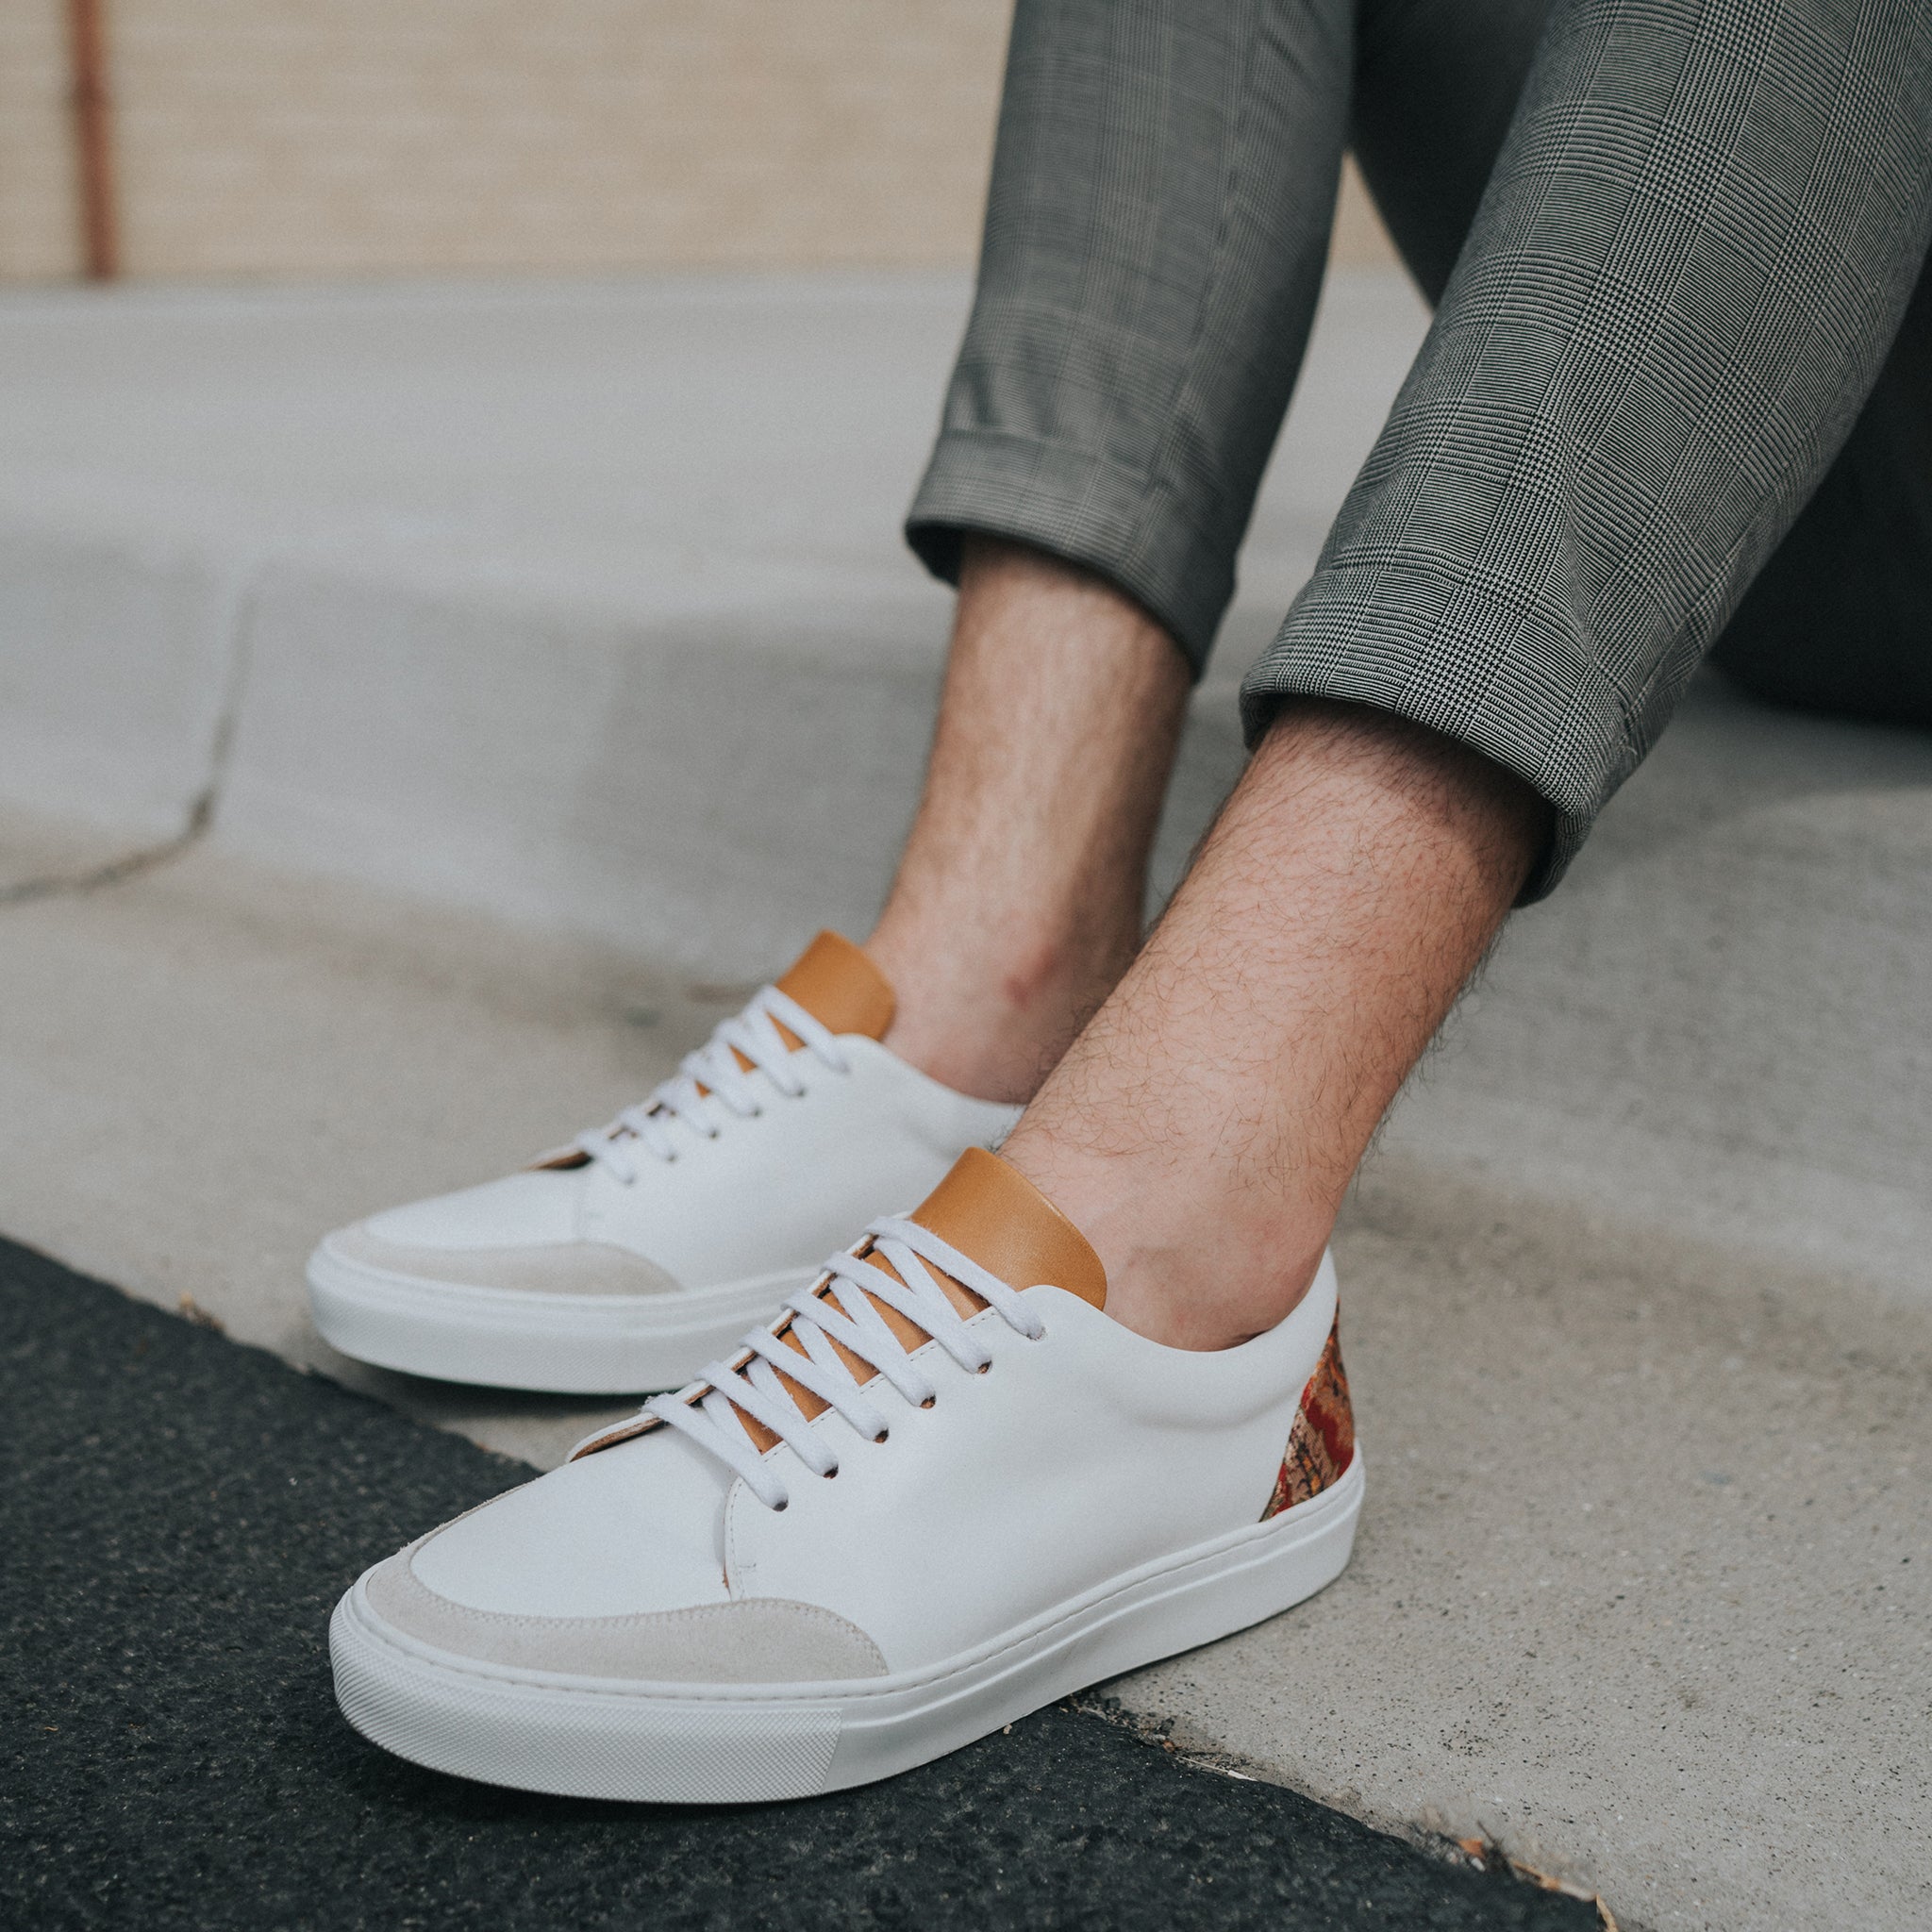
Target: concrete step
x,y
422,711
584,606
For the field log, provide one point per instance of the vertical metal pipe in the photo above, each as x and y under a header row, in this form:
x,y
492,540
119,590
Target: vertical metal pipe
x,y
94,142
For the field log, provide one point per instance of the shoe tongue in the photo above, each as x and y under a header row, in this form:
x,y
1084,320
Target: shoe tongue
x,y
839,985
994,1215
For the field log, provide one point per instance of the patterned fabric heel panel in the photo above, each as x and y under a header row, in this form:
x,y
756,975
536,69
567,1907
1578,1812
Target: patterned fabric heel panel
x,y
1321,1443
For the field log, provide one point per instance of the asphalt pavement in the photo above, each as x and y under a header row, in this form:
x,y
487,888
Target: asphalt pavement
x,y
178,1515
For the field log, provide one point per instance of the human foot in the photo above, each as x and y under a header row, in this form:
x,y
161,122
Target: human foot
x,y
626,1261
802,1574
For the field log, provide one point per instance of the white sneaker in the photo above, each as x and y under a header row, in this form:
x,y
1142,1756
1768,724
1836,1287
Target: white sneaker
x,y
769,1585
626,1261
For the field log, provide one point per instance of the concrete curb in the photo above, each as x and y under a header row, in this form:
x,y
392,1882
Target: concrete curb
x,y
582,608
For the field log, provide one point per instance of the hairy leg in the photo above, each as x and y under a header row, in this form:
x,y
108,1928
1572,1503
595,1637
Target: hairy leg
x,y
1202,1129
1018,902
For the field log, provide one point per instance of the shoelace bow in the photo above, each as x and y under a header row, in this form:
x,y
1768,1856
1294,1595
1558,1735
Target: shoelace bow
x,y
712,1072
844,1306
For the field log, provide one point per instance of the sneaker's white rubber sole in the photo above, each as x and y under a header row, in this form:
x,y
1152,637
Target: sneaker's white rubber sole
x,y
726,1743
562,1344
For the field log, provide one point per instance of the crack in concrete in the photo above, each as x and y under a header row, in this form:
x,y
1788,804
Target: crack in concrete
x,y
201,809
116,871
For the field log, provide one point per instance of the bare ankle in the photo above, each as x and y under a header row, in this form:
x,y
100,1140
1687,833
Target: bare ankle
x,y
992,1024
1018,896
1202,1129
1188,1265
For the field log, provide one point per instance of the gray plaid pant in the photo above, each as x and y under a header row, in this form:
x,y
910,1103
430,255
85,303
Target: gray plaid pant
x,y
1671,243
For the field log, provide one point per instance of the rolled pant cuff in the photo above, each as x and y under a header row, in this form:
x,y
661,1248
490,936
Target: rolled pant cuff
x,y
1547,714
1127,529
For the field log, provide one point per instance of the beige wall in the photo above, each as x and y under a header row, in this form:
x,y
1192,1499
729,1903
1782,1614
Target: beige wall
x,y
37,199
373,137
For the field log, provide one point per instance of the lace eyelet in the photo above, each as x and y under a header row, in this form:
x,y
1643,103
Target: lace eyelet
x,y
982,1367
883,1436
931,1402
832,1471
779,1508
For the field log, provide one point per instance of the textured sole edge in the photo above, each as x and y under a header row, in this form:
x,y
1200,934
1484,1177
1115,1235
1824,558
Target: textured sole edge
x,y
725,1743
554,1344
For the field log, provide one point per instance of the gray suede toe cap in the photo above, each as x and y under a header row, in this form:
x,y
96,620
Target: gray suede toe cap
x,y
573,1267
748,1640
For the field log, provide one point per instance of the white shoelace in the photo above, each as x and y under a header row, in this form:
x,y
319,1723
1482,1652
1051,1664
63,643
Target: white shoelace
x,y
843,1308
712,1075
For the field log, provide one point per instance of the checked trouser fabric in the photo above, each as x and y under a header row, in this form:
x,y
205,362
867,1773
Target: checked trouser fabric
x,y
1671,243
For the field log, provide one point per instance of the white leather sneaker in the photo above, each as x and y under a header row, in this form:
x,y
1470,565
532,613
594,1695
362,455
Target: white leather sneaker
x,y
627,1260
772,1584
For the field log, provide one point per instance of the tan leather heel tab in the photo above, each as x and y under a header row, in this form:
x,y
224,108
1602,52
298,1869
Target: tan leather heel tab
x,y
837,983
993,1214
